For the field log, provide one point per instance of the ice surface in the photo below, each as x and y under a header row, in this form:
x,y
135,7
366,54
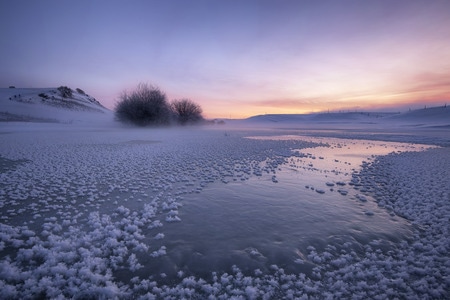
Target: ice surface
x,y
85,213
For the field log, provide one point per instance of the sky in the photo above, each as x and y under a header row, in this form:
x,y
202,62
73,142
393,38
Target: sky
x,y
235,58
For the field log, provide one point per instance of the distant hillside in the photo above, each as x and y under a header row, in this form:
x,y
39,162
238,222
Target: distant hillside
x,y
346,117
433,116
61,104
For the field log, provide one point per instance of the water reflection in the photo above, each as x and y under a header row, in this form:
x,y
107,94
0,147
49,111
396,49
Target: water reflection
x,y
313,200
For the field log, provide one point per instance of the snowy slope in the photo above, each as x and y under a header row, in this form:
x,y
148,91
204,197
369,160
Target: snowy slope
x,y
49,105
348,117
435,116
325,120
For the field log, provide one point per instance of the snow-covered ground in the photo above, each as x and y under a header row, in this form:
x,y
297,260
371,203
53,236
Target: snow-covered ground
x,y
94,210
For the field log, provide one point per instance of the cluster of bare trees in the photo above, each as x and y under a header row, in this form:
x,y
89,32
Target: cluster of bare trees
x,y
147,105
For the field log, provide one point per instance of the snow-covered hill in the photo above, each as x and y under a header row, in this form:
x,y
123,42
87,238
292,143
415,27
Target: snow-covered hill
x,y
433,116
348,117
427,117
63,105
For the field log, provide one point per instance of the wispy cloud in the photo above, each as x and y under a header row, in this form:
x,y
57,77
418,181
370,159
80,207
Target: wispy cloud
x,y
434,82
236,58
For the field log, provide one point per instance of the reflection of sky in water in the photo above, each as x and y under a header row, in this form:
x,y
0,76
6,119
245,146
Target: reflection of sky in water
x,y
273,218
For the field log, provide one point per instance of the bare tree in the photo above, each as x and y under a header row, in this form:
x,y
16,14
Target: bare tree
x,y
186,111
147,105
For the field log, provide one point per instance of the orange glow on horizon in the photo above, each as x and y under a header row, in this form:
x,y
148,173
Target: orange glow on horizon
x,y
235,59
386,102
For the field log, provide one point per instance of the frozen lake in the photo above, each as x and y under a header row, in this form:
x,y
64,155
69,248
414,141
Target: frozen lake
x,y
123,213
314,199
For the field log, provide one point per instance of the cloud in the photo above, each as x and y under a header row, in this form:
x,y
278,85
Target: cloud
x,y
430,82
289,103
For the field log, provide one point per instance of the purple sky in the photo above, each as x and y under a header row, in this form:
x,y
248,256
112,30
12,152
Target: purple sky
x,y
235,58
